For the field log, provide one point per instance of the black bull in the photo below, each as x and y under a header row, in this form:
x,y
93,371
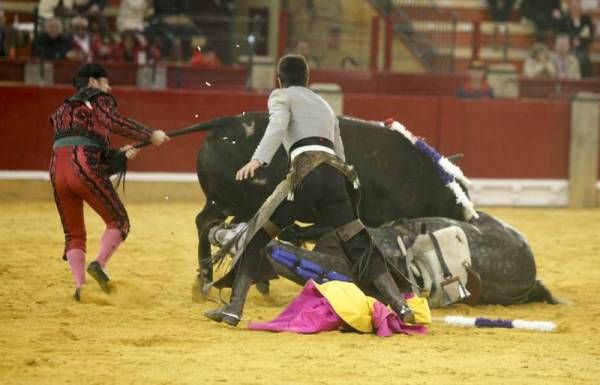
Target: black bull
x,y
397,181
499,254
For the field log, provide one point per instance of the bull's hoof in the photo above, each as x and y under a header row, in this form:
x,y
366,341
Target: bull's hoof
x,y
263,288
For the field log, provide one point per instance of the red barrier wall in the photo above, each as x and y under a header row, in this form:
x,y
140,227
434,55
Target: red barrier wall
x,y
507,139
500,139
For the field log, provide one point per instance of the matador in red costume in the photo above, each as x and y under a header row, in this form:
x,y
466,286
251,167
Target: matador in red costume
x,y
79,174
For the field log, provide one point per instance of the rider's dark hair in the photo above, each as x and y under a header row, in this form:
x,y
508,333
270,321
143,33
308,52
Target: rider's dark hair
x,y
293,71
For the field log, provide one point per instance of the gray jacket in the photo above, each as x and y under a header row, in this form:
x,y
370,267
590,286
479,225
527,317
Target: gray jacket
x,y
296,113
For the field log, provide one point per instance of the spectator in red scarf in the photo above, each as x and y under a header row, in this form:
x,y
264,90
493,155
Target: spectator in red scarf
x,y
81,42
205,57
476,87
134,48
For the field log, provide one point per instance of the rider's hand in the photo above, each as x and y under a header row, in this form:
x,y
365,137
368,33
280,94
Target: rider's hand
x,y
159,137
248,170
130,151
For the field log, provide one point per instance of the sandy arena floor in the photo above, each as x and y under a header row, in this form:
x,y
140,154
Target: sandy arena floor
x,y
150,332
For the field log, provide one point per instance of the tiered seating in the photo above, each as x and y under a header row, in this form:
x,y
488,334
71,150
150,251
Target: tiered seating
x,y
495,46
24,8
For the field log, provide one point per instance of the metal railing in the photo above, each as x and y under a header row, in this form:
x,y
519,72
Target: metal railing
x,y
428,31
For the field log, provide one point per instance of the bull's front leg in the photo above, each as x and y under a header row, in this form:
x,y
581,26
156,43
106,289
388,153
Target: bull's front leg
x,y
211,215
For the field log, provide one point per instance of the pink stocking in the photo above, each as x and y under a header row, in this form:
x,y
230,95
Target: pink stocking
x,y
76,258
111,239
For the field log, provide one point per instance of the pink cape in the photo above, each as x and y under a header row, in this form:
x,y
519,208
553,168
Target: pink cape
x,y
310,312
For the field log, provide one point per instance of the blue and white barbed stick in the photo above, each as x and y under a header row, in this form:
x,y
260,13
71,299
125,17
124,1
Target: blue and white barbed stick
x,y
480,322
447,170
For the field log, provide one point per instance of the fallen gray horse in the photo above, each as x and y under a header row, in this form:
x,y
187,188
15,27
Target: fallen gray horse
x,y
499,255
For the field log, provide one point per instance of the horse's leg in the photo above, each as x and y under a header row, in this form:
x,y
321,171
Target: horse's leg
x,y
210,215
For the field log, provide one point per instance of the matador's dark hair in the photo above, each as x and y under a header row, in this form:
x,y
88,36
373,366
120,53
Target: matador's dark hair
x,y
293,71
84,73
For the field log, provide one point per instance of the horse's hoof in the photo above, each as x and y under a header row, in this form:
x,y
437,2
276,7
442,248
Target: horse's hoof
x,y
200,290
206,290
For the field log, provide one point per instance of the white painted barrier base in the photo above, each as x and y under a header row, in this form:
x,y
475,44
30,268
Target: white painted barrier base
x,y
484,192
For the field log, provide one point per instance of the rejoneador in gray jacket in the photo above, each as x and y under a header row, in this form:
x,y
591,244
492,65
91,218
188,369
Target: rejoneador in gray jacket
x,y
308,129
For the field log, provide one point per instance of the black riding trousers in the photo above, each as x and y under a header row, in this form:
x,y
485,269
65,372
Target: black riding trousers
x,y
322,191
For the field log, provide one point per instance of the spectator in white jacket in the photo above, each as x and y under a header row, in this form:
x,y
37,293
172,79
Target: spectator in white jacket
x,y
539,64
132,14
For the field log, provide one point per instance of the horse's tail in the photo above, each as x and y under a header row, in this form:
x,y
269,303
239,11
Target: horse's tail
x,y
541,293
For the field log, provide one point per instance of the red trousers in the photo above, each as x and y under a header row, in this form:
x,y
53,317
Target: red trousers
x,y
76,178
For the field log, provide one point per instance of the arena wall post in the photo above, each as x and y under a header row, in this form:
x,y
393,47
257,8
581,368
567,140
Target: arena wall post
x,y
583,158
39,73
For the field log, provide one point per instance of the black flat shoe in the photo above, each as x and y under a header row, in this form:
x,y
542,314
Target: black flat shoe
x,y
100,275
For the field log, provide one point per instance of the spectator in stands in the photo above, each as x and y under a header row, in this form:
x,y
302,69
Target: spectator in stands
x,y
500,9
581,31
48,9
349,63
134,48
173,28
132,14
102,47
476,86
8,37
546,15
206,57
539,64
86,46
3,32
566,64
302,48
93,11
81,42
172,7
52,44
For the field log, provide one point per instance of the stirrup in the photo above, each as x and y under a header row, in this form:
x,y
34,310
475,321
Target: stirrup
x,y
231,318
